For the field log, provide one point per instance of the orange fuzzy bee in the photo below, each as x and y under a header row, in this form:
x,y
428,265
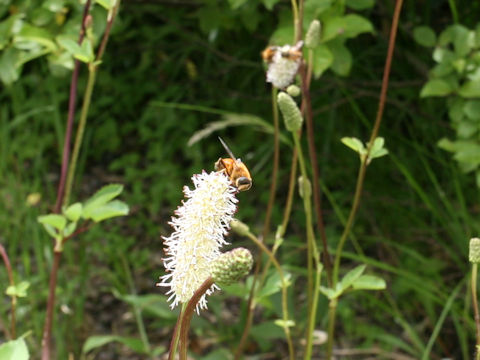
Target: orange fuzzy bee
x,y
235,169
289,52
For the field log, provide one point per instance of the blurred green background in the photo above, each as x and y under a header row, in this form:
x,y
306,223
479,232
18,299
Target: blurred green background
x,y
172,68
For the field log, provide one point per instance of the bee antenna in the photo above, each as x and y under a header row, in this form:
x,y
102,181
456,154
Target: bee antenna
x,y
227,149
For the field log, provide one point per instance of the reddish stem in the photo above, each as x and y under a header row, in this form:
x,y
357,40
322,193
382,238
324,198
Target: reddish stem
x,y
187,316
71,117
8,266
317,199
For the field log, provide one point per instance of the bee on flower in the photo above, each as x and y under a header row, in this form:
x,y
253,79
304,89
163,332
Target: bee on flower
x,y
283,63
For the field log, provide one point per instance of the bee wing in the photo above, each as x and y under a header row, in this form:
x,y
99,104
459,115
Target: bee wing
x,y
229,152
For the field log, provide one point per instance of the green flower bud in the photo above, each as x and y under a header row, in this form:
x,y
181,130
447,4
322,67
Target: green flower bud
x,y
290,111
304,187
312,39
239,227
232,266
474,253
293,90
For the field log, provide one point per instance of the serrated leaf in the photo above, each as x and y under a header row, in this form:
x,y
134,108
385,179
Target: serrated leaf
x,y
14,350
470,89
436,87
354,144
356,25
472,109
109,210
351,276
322,59
97,341
101,197
424,36
18,290
82,52
369,282
446,145
74,211
55,220
378,149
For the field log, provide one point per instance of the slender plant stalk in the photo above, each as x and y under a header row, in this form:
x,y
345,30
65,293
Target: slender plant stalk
x,y
46,338
176,335
317,199
453,9
64,188
92,72
8,266
276,159
266,226
475,307
363,168
275,263
188,314
291,190
136,309
313,315
71,115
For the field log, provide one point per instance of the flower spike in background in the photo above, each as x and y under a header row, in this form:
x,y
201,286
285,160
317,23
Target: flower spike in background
x,y
283,63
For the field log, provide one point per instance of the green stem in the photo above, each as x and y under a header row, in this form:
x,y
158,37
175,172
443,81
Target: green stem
x,y
475,307
313,315
92,72
453,9
332,310
286,327
136,308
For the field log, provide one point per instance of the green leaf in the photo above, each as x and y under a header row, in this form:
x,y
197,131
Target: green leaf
x,y
272,286
351,276
55,220
446,145
9,72
369,282
424,36
331,293
472,109
284,324
378,149
463,39
354,144
74,211
235,4
109,210
356,25
470,89
342,58
100,198
36,35
96,341
18,290
83,53
436,87
322,59
269,4
14,350
69,229
360,4
106,4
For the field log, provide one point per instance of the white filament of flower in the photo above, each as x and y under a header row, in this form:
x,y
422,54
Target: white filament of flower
x,y
200,224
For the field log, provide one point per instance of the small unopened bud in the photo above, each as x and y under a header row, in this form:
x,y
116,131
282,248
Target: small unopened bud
x,y
239,227
474,253
293,90
304,187
232,266
312,39
290,111
88,22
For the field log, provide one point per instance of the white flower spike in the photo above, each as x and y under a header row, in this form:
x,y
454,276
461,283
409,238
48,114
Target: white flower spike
x,y
200,225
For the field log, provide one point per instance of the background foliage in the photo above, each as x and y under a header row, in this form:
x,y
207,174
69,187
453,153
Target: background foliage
x,y
170,70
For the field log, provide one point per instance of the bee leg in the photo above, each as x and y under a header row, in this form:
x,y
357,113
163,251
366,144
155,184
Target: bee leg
x,y
219,165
